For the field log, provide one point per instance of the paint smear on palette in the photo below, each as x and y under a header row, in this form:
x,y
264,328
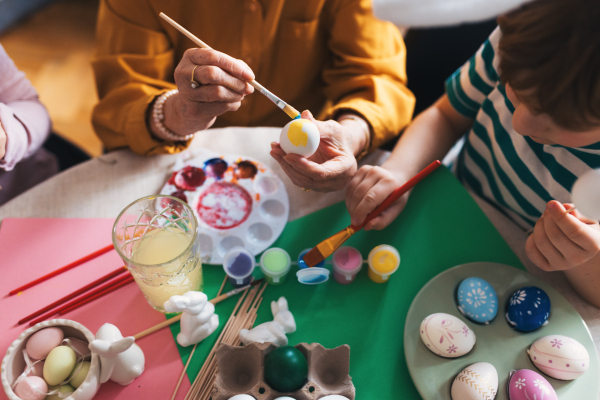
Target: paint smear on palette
x,y
246,170
215,168
187,178
224,205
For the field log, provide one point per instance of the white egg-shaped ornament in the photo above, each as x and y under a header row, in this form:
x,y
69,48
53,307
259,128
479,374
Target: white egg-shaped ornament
x,y
242,397
300,136
334,397
528,309
559,357
586,194
285,398
525,384
447,336
476,382
477,300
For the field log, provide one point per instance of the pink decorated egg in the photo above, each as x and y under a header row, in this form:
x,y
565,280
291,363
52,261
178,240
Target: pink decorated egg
x,y
446,335
43,341
32,388
559,357
525,384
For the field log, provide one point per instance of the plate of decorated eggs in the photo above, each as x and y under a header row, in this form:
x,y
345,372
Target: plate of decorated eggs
x,y
237,200
485,331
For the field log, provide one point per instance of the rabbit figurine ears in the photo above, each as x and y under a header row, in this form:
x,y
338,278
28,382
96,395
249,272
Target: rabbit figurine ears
x,y
121,360
273,331
198,320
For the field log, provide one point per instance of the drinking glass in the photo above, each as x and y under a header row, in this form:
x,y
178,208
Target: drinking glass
x,y
156,236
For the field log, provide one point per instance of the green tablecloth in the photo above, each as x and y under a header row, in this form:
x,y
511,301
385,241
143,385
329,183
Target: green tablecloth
x,y
441,227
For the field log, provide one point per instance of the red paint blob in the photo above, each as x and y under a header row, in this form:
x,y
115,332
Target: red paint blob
x,y
224,205
188,178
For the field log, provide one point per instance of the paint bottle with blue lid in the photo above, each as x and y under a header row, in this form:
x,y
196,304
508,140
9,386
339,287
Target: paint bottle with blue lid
x,y
238,264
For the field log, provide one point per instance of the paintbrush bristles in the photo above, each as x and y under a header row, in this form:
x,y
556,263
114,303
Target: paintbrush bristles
x,y
291,111
326,248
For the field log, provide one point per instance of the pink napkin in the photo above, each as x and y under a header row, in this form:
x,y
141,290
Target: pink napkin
x,y
30,248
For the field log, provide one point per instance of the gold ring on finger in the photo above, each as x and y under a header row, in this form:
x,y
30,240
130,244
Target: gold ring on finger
x,y
193,83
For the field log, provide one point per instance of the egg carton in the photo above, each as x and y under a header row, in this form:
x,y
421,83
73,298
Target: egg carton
x,y
240,370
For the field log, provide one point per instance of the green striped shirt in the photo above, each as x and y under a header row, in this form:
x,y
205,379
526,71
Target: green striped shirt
x,y
512,171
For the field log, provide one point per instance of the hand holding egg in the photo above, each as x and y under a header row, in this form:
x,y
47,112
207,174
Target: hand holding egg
x,y
333,163
300,136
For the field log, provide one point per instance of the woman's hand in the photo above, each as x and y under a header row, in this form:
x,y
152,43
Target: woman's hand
x,y
223,83
562,240
368,189
333,164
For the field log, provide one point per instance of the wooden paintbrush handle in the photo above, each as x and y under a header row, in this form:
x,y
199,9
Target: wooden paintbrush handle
x,y
396,194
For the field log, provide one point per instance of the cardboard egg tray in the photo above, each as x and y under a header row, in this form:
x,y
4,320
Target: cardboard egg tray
x,y
240,370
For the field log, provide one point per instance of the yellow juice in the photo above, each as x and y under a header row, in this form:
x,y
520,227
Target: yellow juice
x,y
165,265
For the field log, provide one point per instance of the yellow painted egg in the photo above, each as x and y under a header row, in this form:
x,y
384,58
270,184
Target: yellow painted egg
x,y
300,136
59,365
79,373
63,389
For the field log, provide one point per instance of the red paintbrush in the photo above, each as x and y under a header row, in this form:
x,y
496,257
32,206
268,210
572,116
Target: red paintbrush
x,y
98,295
324,249
76,293
63,269
91,293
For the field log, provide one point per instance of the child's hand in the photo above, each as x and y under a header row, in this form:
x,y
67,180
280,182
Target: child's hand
x,y
368,189
562,240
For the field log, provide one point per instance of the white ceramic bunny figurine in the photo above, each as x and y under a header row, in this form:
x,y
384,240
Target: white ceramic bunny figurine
x,y
273,331
121,360
198,320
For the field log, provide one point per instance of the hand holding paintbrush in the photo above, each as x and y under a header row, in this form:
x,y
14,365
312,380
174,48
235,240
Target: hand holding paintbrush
x,y
210,83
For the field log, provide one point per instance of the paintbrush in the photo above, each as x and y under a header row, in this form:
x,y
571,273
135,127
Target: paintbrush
x,y
328,246
289,110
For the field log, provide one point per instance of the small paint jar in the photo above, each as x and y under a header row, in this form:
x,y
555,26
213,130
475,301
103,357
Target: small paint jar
x,y
347,263
238,264
302,264
275,264
383,260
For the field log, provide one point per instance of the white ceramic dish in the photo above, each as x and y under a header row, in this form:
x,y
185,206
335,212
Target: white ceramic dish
x,y
13,363
255,227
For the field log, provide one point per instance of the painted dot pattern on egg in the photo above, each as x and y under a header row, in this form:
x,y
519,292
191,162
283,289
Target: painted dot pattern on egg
x,y
477,300
528,309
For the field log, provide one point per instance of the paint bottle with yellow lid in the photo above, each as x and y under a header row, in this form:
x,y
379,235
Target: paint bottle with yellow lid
x,y
383,260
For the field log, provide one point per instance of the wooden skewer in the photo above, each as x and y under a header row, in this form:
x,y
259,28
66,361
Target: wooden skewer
x,y
171,321
76,293
289,110
63,269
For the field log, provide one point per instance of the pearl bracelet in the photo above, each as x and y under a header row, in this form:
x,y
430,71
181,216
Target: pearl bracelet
x,y
158,116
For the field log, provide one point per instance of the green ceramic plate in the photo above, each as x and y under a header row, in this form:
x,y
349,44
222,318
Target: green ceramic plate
x,y
497,343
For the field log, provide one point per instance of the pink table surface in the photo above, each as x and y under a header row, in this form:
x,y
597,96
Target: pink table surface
x,y
30,248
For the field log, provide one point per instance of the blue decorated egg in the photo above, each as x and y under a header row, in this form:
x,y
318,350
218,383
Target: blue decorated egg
x,y
477,300
528,309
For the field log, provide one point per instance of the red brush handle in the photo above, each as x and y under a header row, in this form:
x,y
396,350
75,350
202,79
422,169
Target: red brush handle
x,y
98,295
63,269
76,293
101,288
396,194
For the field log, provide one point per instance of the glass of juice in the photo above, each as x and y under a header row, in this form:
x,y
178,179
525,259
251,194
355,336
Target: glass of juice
x,y
157,238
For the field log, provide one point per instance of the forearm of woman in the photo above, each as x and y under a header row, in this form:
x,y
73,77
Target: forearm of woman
x,y
428,138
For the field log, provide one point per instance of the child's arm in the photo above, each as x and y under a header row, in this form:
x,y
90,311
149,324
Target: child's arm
x,y
428,138
563,241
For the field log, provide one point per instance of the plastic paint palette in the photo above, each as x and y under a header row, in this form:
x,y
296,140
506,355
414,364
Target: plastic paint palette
x,y
236,199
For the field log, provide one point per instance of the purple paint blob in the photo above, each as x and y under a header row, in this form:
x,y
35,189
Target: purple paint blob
x,y
215,168
241,266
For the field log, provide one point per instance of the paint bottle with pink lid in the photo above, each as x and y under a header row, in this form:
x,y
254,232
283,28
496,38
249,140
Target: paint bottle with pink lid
x,y
347,263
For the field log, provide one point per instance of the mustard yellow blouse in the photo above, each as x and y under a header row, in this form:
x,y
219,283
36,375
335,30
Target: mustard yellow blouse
x,y
322,55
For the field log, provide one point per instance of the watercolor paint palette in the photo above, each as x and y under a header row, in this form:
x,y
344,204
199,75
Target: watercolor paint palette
x,y
237,200
497,343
